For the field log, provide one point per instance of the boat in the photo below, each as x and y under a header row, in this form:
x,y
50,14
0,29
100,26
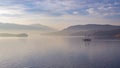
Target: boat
x,y
87,39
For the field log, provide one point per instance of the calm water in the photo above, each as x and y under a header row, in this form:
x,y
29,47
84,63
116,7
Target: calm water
x,y
58,52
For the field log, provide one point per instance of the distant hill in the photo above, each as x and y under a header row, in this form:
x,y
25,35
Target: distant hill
x,y
8,26
94,30
90,27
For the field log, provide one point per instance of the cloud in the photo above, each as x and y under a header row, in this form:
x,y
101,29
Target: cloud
x,y
56,6
104,10
8,8
62,7
86,7
11,10
60,13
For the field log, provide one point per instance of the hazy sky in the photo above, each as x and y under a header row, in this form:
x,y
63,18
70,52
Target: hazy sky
x,y
60,13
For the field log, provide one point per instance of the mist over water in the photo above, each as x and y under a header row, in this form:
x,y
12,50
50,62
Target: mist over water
x,y
38,51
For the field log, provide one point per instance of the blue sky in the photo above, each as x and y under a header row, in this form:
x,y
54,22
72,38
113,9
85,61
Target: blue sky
x,y
60,13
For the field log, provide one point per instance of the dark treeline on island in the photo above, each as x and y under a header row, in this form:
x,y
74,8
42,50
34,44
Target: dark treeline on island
x,y
13,35
92,30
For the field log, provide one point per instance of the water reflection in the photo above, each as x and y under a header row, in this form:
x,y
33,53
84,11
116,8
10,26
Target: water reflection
x,y
58,52
87,43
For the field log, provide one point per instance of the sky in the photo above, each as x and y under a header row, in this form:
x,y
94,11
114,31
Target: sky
x,y
60,13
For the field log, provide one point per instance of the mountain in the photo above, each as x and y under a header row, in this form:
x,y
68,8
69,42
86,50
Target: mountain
x,y
8,26
90,27
93,30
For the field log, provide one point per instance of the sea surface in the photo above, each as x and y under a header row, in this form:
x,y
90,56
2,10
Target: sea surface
x,y
38,51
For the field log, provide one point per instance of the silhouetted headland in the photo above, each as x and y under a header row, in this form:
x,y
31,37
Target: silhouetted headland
x,y
92,30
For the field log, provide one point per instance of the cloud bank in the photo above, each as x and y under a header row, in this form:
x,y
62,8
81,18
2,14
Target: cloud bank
x,y
66,11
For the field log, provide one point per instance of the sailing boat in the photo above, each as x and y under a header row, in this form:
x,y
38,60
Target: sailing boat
x,y
87,38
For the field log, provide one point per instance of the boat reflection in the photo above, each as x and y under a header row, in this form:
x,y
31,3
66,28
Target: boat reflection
x,y
87,43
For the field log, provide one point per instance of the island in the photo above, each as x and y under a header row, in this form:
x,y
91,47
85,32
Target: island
x,y
13,35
